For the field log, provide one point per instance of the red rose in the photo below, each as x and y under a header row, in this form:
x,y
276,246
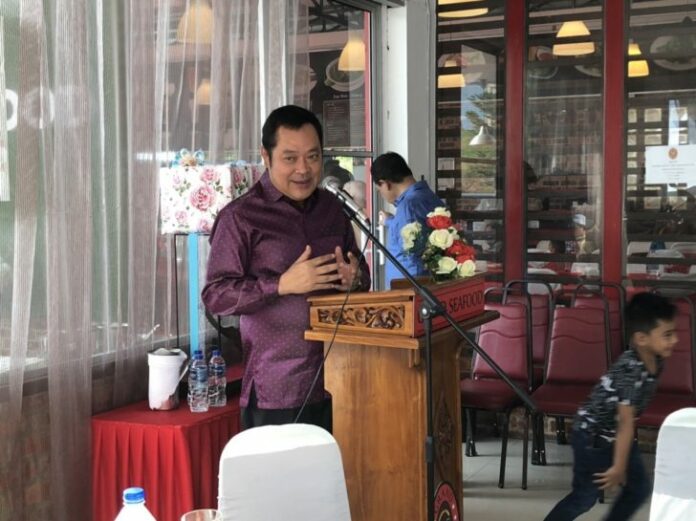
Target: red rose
x,y
439,222
458,247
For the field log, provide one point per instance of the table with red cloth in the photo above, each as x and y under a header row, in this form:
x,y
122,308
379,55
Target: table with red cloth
x,y
174,455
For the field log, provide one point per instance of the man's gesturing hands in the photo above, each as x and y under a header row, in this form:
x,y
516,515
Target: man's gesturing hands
x,y
328,271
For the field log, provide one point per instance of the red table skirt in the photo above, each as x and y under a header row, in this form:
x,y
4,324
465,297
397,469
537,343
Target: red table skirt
x,y
173,455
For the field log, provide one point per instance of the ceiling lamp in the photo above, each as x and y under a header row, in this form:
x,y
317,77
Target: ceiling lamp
x,y
450,81
196,26
636,68
461,13
573,29
203,92
484,137
353,54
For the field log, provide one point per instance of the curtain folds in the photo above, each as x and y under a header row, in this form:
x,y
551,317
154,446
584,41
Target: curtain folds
x,y
107,93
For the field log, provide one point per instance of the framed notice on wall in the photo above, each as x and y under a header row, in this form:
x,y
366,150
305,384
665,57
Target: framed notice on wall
x,y
338,99
674,164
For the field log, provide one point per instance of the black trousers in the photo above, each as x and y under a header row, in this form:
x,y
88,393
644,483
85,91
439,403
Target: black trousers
x,y
317,413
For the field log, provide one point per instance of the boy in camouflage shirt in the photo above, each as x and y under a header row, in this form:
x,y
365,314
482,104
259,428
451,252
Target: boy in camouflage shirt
x,y
604,450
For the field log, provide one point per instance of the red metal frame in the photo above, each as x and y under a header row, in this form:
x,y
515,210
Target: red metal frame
x,y
614,136
514,191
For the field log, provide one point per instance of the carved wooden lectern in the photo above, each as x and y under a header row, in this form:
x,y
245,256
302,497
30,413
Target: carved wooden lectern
x,y
376,375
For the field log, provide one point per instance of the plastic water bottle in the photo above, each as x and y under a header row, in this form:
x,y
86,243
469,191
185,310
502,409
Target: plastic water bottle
x,y
217,380
134,506
198,384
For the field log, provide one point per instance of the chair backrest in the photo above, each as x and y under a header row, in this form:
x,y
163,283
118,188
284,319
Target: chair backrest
x,y
507,341
614,302
578,352
678,373
542,309
282,472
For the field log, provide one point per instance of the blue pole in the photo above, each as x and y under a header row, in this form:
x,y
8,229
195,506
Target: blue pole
x,y
193,290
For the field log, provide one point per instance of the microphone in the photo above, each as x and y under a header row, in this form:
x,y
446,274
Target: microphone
x,y
348,202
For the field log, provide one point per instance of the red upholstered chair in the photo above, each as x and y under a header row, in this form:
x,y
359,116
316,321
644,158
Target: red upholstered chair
x,y
542,312
588,295
507,341
677,386
577,358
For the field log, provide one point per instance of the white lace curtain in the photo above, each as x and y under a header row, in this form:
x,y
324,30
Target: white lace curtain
x,y
99,94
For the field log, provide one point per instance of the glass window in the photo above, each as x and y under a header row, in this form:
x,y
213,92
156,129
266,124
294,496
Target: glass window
x,y
660,178
470,116
563,139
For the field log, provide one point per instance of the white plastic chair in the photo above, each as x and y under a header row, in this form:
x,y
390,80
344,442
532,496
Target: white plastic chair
x,y
674,493
275,472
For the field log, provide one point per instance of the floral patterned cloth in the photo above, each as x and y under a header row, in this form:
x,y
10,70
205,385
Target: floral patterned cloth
x,y
192,196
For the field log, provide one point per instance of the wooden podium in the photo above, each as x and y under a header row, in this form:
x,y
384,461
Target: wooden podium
x,y
376,375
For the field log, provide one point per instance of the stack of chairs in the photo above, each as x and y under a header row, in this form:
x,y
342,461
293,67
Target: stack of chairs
x,y
579,354
507,341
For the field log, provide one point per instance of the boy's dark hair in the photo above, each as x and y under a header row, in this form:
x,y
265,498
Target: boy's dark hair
x,y
390,167
289,116
644,310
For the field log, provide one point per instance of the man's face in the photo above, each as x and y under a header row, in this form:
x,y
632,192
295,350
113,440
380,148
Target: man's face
x,y
386,190
295,163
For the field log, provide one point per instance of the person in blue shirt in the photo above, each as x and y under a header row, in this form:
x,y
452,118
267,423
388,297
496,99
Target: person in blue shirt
x,y
413,200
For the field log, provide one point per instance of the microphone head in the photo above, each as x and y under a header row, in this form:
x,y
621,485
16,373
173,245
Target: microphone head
x,y
331,183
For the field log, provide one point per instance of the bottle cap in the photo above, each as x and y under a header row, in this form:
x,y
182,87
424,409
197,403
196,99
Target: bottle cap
x,y
198,355
216,352
133,495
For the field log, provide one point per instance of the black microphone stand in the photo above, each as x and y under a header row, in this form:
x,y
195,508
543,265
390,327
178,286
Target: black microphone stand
x,y
431,307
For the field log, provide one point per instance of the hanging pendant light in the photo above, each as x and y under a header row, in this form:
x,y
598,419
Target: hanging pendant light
x,y
203,92
636,68
573,29
461,13
353,54
450,81
196,26
484,137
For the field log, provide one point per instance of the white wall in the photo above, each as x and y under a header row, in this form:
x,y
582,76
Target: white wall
x,y
407,89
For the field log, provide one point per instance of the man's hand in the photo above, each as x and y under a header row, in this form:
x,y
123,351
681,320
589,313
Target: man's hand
x,y
612,477
383,216
349,272
307,274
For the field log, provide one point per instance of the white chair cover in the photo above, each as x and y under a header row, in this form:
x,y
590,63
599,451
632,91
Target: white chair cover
x,y
282,472
674,493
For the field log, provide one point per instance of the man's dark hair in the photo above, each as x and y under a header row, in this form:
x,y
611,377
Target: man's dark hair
x,y
289,116
390,167
644,310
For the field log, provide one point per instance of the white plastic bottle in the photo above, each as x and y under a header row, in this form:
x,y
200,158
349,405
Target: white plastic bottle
x,y
134,506
217,380
198,384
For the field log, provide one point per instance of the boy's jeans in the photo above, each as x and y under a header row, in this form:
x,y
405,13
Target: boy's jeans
x,y
594,454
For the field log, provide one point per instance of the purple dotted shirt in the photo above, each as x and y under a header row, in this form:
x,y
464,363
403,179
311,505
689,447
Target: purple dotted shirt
x,y
254,241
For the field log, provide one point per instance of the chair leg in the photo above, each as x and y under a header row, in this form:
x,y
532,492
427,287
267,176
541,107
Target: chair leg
x,y
541,439
525,449
503,452
560,431
470,449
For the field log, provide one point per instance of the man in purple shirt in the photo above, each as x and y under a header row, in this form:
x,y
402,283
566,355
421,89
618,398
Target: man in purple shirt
x,y
271,248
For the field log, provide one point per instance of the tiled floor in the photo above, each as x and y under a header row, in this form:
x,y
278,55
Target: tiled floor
x,y
484,501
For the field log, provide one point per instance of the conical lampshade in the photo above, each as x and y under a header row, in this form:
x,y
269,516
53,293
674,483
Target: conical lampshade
x,y
196,26
636,68
450,81
353,54
464,13
573,28
484,137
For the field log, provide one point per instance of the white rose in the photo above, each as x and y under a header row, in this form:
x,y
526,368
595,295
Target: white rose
x,y
409,233
467,268
440,211
442,239
446,265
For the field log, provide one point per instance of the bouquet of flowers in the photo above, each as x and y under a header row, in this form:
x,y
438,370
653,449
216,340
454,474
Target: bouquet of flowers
x,y
444,253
